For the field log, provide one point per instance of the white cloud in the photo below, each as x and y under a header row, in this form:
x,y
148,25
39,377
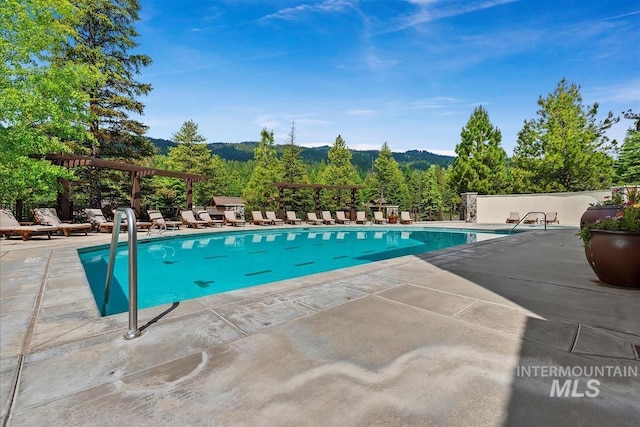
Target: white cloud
x,y
292,13
623,93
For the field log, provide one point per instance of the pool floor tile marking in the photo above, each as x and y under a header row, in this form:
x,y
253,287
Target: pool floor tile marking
x,y
292,247
169,262
367,252
341,256
203,283
318,244
215,256
257,252
258,272
304,263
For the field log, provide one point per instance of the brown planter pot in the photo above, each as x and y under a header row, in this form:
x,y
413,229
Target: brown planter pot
x,y
599,212
614,256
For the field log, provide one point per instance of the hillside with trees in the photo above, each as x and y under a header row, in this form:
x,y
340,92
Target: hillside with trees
x,y
362,159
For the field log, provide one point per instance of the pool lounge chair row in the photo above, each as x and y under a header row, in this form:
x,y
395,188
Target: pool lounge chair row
x,y
534,218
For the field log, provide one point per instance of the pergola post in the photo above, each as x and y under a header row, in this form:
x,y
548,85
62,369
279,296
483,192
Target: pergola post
x,y
317,200
189,193
135,193
352,215
281,214
63,202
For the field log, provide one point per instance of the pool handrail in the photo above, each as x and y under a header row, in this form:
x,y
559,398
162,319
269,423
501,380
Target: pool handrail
x,y
532,212
132,237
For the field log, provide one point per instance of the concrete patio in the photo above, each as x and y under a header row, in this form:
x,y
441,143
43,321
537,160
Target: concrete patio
x,y
443,338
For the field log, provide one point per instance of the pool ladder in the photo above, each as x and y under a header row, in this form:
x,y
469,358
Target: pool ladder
x,y
132,234
525,217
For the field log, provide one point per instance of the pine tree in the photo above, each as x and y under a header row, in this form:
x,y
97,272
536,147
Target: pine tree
x,y
260,193
628,164
387,181
432,197
293,170
339,171
105,36
481,162
565,148
191,154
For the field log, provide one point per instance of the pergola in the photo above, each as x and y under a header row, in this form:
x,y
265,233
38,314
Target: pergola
x,y
317,187
136,172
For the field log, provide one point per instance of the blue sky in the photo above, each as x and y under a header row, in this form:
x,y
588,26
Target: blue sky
x,y
406,72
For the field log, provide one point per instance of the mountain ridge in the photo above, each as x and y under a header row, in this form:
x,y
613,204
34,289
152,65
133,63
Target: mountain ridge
x,y
362,159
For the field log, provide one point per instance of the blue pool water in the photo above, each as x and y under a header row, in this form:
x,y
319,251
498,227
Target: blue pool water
x,y
180,268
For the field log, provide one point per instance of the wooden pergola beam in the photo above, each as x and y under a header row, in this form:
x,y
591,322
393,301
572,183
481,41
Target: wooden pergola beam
x,y
136,172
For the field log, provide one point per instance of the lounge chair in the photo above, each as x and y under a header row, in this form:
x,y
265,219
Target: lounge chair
x,y
326,218
530,219
230,217
99,222
9,226
259,220
271,215
405,218
144,225
313,219
189,219
204,216
378,218
49,216
158,220
292,218
361,217
513,217
552,217
341,219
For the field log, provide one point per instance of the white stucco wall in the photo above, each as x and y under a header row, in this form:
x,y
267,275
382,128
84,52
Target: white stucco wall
x,y
570,206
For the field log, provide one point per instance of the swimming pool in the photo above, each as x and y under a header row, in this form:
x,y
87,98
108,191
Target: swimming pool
x,y
184,267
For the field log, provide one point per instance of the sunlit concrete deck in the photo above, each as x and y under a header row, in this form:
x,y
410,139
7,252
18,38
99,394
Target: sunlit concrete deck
x,y
436,339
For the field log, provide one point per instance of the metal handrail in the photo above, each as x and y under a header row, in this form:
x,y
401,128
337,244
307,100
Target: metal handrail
x,y
132,233
524,217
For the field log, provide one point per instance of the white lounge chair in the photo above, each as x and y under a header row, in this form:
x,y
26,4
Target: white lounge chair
x,y
326,218
341,219
158,220
292,218
98,221
361,217
204,216
189,219
405,218
378,218
552,217
271,215
313,219
230,217
513,217
259,220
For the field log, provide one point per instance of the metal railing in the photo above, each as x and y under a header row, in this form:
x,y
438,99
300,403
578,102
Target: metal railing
x,y
544,221
132,234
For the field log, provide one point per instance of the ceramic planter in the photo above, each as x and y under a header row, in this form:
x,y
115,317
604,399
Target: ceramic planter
x,y
615,256
599,212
